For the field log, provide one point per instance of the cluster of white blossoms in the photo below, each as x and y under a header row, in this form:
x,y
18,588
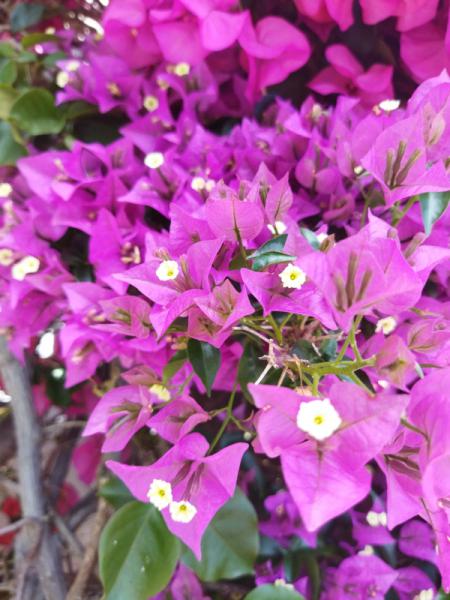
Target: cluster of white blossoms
x,y
386,325
160,495
167,270
376,519
24,267
318,418
292,277
277,228
198,184
154,160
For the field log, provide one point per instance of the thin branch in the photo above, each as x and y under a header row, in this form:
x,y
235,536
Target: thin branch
x,y
35,545
76,592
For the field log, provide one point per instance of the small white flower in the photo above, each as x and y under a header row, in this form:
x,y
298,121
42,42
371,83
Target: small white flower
x,y
46,346
5,190
28,264
182,69
372,518
382,519
58,373
73,66
6,257
4,397
277,228
154,160
209,185
389,105
358,170
425,595
321,237
318,418
386,325
182,512
62,79
160,391
280,582
367,551
160,493
151,103
198,184
292,277
167,270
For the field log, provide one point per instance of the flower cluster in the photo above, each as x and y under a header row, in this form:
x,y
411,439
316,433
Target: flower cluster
x,y
236,290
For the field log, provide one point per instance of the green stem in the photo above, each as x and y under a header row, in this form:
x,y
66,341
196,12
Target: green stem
x,y
226,421
399,216
276,329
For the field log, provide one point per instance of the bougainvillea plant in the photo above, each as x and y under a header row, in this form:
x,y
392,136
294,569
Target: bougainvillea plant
x,y
224,306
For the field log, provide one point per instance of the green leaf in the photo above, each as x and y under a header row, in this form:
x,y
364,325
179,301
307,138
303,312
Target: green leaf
x,y
51,59
174,365
230,544
273,592
205,360
25,15
433,205
271,258
7,50
276,244
10,150
306,351
137,553
250,366
8,72
31,39
328,349
310,237
115,492
8,96
36,113
271,253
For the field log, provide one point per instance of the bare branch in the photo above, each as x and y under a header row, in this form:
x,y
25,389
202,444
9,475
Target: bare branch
x,y
36,547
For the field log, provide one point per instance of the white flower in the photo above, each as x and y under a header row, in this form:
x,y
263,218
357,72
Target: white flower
x,y
209,185
46,346
154,160
277,228
386,325
389,105
4,397
167,270
198,184
73,66
62,79
292,277
375,519
425,595
160,493
160,391
6,257
280,582
28,264
182,512
367,550
321,237
181,69
151,103
318,418
5,190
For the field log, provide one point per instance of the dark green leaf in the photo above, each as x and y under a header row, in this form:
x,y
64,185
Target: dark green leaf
x,y
115,492
174,365
36,113
73,110
271,258
276,244
328,349
7,50
433,205
10,150
31,39
273,592
205,360
230,544
8,96
8,72
51,59
250,366
310,237
137,553
25,15
306,351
